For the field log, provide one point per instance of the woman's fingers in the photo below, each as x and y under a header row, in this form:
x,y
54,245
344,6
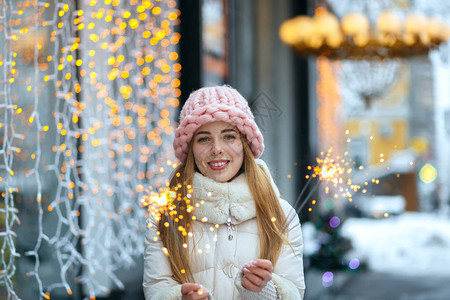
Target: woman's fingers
x,y
252,282
261,267
262,273
249,285
189,288
193,291
257,274
263,263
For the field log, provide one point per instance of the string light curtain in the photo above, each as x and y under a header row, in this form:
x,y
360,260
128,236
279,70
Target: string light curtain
x,y
88,94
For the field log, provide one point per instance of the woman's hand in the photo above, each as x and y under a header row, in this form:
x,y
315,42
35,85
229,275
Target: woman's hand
x,y
193,291
257,274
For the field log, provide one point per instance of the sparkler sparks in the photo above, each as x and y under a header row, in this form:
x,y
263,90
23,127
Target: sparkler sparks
x,y
158,204
334,174
163,205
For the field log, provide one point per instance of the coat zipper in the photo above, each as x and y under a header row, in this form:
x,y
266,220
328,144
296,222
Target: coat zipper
x,y
230,232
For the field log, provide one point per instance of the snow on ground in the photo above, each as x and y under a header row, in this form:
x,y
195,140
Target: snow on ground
x,y
407,244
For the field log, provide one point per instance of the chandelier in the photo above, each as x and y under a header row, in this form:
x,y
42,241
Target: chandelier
x,y
354,37
368,78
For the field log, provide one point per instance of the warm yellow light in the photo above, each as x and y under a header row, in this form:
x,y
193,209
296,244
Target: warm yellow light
x,y
389,22
428,173
173,56
172,16
165,68
134,23
323,34
156,10
355,24
146,71
437,29
289,33
148,58
415,23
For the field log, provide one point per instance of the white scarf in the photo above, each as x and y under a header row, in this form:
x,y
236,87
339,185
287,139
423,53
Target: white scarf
x,y
224,199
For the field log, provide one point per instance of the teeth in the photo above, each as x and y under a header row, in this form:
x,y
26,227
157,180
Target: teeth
x,y
218,164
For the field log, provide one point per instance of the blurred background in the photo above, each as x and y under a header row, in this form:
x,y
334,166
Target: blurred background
x,y
352,98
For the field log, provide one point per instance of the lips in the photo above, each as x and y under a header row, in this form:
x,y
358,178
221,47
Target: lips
x,y
218,165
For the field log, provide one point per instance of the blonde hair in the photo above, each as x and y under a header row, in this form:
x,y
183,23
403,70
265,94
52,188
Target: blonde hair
x,y
269,214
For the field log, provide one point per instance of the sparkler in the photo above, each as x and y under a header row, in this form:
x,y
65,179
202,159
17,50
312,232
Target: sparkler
x,y
162,204
329,170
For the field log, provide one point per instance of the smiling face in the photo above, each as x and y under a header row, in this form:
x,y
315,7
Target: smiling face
x,y
218,151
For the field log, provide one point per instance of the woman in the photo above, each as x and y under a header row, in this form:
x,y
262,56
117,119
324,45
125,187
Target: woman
x,y
229,217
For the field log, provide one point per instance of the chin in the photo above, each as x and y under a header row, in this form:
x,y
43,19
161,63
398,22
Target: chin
x,y
222,180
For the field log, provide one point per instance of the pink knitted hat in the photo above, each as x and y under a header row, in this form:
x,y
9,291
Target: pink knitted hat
x,y
218,103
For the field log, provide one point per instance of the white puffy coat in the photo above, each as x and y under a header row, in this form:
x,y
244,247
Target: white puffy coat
x,y
216,257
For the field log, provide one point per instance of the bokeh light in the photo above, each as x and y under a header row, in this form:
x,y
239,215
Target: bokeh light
x,y
334,222
354,263
88,92
327,279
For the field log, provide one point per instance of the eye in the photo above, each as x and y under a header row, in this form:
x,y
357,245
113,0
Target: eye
x,y
230,137
202,139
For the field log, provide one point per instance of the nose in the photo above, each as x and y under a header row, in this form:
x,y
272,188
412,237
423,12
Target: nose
x,y
217,148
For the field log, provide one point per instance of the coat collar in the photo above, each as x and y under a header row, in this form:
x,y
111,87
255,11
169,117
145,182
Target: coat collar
x,y
217,201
